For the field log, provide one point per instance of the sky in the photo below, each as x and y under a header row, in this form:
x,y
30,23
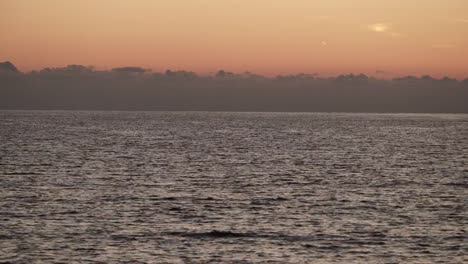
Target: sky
x,y
380,38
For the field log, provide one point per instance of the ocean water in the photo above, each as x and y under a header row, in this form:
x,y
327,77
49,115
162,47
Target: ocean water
x,y
195,187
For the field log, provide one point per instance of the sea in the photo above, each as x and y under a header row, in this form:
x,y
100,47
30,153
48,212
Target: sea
x,y
219,187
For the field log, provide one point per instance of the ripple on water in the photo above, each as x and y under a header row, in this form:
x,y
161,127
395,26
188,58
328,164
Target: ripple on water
x,y
232,187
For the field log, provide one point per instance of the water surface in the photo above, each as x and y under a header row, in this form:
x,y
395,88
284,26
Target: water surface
x,y
175,187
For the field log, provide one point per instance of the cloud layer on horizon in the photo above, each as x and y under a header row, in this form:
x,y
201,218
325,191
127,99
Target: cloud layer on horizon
x,y
135,88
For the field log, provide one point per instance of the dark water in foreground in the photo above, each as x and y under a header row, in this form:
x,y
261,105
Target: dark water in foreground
x,y
152,187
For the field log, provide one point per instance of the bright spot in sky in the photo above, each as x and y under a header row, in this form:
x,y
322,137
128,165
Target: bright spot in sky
x,y
379,27
324,43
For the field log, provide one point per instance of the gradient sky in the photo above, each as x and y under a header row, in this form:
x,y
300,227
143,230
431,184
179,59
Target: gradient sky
x,y
382,38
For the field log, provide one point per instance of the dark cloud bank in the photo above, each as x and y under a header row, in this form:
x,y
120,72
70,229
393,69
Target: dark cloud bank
x,y
76,87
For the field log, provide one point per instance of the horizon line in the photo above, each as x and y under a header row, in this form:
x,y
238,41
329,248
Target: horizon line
x,y
133,69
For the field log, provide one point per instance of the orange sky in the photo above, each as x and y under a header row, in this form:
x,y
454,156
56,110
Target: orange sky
x,y
398,37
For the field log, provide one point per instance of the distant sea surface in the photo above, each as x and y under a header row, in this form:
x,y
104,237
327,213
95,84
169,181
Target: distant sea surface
x,y
197,187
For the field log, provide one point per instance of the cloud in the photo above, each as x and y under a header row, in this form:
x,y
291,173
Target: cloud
x,y
383,28
80,87
69,69
452,19
129,70
8,67
321,17
444,46
461,20
381,72
379,27
181,75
